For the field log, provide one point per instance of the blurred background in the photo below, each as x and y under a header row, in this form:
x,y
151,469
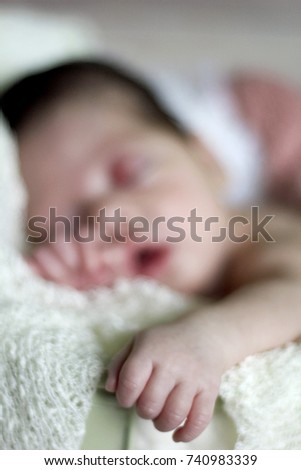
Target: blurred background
x,y
182,34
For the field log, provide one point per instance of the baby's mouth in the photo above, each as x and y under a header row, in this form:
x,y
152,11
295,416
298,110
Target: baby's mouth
x,y
150,261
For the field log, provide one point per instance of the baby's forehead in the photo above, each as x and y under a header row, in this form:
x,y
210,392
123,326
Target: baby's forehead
x,y
82,118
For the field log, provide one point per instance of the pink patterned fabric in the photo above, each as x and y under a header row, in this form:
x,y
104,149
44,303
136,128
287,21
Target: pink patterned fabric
x,y
273,110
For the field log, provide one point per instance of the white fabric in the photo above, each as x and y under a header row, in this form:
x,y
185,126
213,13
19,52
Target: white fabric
x,y
205,106
30,40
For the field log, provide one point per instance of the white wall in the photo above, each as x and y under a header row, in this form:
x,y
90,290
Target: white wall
x,y
261,34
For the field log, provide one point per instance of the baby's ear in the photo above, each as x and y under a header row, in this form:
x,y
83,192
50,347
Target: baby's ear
x,y
207,162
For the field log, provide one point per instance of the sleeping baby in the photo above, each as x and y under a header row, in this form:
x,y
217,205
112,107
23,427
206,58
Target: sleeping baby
x,y
120,186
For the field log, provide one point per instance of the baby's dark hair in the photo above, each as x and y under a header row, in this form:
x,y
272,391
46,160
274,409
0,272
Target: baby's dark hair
x,y
28,96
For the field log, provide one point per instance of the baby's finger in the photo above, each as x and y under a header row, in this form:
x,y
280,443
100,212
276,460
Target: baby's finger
x,y
75,258
133,376
176,408
154,395
115,366
50,266
199,416
68,253
89,256
34,266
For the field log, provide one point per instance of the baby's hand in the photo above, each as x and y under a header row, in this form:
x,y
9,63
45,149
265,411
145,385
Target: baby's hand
x,y
75,264
172,374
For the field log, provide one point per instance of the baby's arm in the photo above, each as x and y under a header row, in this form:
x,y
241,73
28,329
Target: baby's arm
x,y
273,110
173,372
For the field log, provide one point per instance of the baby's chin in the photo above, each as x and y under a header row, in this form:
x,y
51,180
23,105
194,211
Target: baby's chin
x,y
190,282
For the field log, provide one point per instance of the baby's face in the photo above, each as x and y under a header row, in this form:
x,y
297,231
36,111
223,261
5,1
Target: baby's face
x,y
86,156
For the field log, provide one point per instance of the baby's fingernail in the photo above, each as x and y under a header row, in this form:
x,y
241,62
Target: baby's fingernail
x,y
176,437
110,384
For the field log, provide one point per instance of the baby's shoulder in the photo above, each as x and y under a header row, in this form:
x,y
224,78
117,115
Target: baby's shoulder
x,y
277,256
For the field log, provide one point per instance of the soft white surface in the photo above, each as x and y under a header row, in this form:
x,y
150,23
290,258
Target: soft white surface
x,y
29,40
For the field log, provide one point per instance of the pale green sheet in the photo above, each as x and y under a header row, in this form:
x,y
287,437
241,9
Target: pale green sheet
x,y
110,427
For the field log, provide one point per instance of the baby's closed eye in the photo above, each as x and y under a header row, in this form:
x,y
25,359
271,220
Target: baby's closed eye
x,y
129,170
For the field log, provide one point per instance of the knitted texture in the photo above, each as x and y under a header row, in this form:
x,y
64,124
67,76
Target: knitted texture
x,y
262,395
52,345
